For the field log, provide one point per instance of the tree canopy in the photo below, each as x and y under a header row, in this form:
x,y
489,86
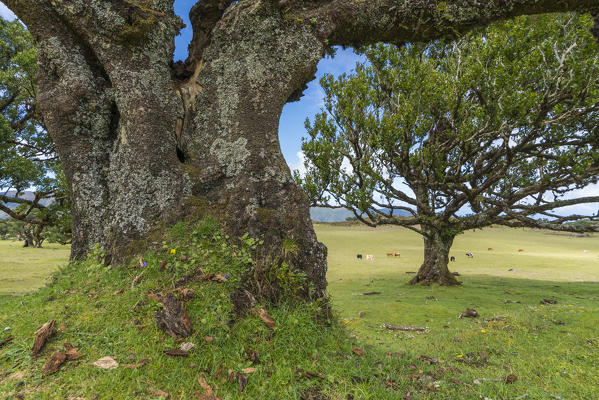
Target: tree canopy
x,y
496,127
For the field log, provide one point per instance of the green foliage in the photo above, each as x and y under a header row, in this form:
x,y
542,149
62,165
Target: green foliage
x,y
501,121
27,154
23,139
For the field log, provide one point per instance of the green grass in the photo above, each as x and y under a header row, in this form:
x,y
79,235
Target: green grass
x,y
553,350
23,269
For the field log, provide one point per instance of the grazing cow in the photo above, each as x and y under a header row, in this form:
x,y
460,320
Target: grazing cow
x,y
490,249
520,250
359,256
397,254
369,257
452,258
389,254
470,255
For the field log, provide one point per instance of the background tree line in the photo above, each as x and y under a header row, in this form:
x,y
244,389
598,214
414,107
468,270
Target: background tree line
x,y
28,156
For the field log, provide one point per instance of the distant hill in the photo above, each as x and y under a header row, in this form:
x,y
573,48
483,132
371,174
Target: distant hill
x,y
323,214
317,214
27,195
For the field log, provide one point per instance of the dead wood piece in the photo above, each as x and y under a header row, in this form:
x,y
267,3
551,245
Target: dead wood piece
x,y
469,313
548,301
253,355
404,327
153,296
42,334
207,388
184,293
5,341
219,278
311,374
138,364
370,293
242,380
205,277
428,359
172,318
250,297
135,281
53,363
264,316
71,351
176,353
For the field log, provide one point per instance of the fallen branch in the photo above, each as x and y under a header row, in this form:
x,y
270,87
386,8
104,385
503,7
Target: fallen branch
x,y
264,316
173,318
53,363
5,341
403,327
42,334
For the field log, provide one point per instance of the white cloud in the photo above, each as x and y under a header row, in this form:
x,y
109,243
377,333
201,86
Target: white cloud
x,y
582,209
298,164
6,13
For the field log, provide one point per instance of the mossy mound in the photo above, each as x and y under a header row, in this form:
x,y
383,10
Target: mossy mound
x,y
110,312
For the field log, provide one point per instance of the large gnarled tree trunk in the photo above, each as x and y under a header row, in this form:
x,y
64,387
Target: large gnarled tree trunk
x,y
436,257
142,140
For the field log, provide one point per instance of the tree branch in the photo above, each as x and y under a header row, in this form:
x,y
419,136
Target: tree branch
x,y
356,23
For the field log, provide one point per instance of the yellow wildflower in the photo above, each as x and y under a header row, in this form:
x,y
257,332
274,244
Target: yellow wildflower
x,y
173,251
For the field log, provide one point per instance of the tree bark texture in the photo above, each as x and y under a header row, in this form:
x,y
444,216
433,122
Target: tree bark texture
x,y
436,258
144,141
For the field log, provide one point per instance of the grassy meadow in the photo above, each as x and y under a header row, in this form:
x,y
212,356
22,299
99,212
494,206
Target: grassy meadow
x,y
23,269
516,347
552,349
